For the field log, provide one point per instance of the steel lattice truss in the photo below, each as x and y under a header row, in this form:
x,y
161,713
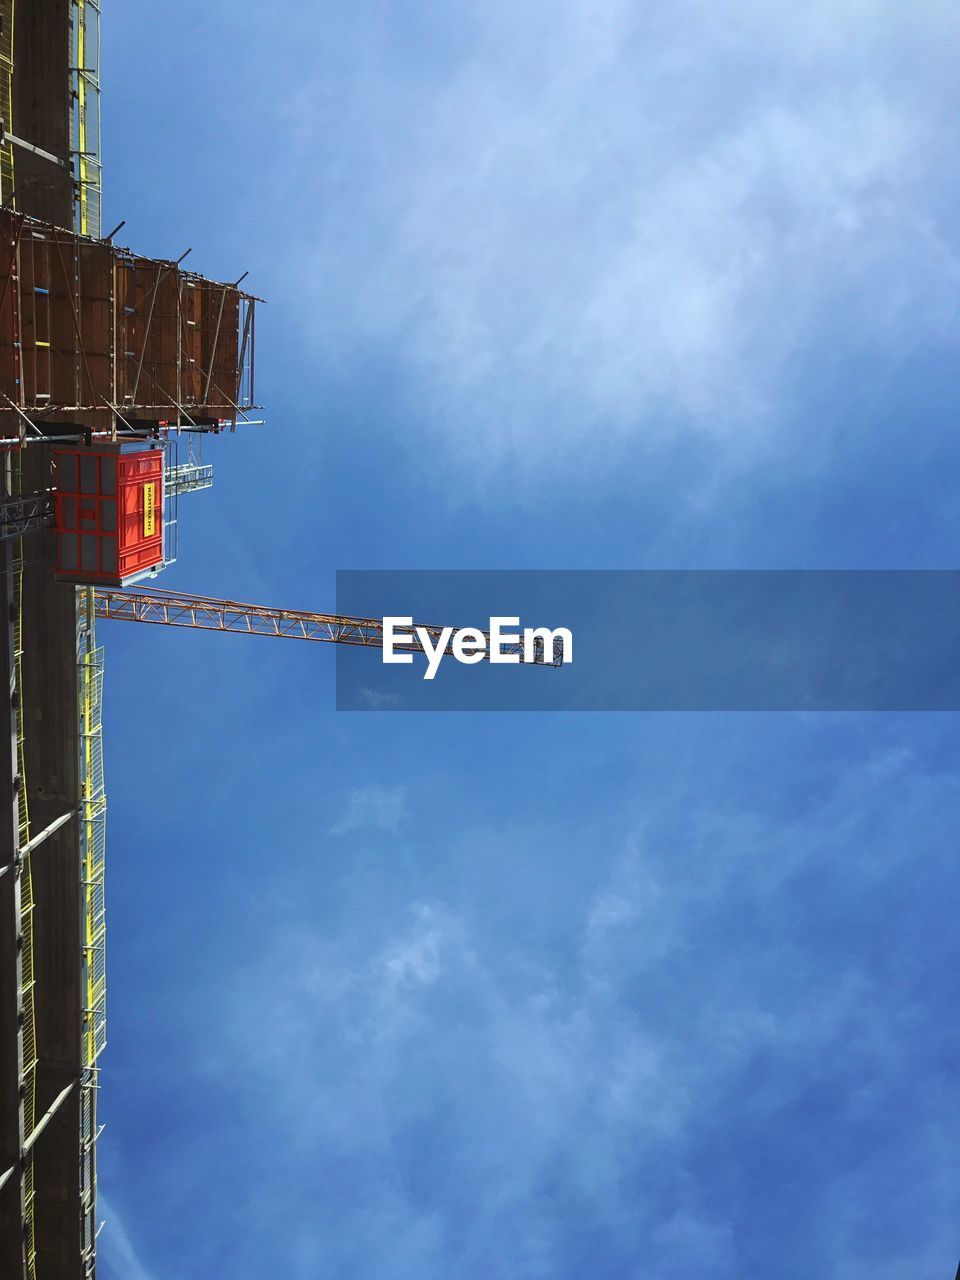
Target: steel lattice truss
x,y
22,513
175,609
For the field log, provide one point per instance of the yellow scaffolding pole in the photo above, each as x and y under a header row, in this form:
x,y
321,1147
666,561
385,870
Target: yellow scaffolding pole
x,y
93,806
93,817
6,97
86,126
85,135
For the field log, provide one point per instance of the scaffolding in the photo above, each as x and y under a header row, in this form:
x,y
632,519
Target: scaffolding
x,y
93,811
87,168
171,503
25,513
92,829
20,512
44,295
28,1022
85,113
94,341
188,477
96,338
192,474
6,99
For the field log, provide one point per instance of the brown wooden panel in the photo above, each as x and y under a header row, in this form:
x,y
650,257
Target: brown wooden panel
x,y
94,304
166,341
9,301
66,381
99,326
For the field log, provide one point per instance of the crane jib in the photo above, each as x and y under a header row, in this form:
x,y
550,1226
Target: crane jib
x,y
205,613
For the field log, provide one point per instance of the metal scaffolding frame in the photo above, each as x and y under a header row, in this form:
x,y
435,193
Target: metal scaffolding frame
x,y
6,99
28,976
116,341
59,325
85,154
189,473
187,477
20,885
93,807
92,848
36,254
85,113
25,513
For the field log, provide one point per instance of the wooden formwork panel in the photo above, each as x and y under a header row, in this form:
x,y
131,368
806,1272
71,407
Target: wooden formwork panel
x,y
94,308
191,315
87,327
217,345
147,323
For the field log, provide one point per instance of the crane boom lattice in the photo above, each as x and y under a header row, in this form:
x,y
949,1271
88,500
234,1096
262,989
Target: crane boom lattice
x,y
205,613
172,609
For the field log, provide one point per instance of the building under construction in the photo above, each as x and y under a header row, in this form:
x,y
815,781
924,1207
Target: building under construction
x,y
113,368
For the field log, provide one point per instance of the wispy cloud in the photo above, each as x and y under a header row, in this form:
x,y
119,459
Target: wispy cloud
x,y
117,1257
592,222
378,700
415,960
719,1042
373,808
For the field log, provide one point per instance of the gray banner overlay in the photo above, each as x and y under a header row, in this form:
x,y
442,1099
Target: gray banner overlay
x,y
671,640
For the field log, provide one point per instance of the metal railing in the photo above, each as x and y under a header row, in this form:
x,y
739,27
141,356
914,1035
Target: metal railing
x,y
6,98
93,812
85,114
85,153
187,477
27,972
25,512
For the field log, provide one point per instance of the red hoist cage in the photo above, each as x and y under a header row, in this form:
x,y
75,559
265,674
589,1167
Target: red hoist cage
x,y
109,514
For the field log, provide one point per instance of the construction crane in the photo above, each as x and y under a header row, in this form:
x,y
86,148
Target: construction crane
x,y
206,613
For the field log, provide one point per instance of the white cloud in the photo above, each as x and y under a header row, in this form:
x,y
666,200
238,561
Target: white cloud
x,y
414,960
374,808
592,222
117,1256
716,994
378,700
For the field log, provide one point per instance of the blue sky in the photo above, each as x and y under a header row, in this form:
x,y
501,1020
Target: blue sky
x,y
550,286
